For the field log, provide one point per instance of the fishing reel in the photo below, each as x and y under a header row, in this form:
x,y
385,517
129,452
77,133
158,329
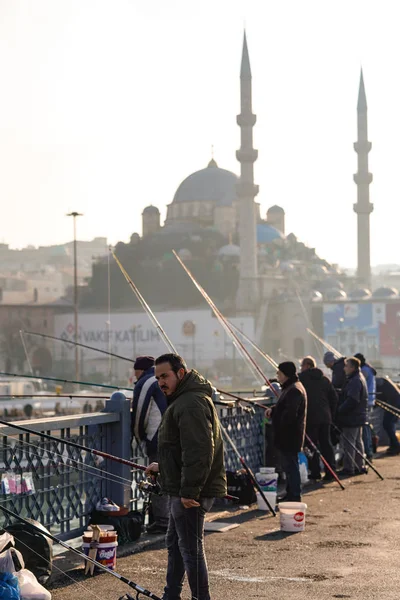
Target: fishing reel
x,y
150,487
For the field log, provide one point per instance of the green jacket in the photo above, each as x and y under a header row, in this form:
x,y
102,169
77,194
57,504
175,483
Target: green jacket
x,y
190,447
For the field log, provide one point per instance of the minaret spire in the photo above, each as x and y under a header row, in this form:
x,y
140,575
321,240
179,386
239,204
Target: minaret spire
x,y
247,190
363,179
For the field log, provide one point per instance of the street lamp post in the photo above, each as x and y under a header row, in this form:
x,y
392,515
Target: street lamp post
x,y
74,215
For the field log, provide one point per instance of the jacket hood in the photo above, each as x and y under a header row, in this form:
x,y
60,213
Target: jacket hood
x,y
371,368
314,373
192,382
148,373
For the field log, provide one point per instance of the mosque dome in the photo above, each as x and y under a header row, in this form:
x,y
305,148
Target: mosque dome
x,y
275,210
335,294
359,294
151,210
267,234
385,292
211,184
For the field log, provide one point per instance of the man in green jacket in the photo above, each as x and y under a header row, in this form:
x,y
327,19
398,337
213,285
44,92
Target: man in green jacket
x,y
191,470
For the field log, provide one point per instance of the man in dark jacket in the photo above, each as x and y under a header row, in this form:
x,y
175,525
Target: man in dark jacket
x,y
352,415
289,424
388,392
321,408
192,472
337,367
148,407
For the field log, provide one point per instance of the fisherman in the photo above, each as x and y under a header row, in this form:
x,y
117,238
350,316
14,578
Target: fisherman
x,y
192,472
148,407
322,401
388,392
370,378
288,422
352,415
337,367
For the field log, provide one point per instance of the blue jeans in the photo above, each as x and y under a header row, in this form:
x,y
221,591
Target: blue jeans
x,y
389,425
185,546
367,435
290,464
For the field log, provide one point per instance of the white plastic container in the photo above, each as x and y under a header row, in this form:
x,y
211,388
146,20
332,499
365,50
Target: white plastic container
x,y
106,554
267,479
270,496
293,516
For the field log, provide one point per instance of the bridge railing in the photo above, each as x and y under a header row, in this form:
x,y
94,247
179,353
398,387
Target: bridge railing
x,y
67,481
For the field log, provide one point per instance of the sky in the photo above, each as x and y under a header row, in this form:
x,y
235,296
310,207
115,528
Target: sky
x,y
107,105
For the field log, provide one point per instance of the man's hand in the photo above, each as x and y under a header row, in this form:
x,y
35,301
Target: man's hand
x,y
152,469
189,503
268,412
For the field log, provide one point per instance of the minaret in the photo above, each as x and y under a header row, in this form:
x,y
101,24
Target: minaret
x,y
246,190
363,178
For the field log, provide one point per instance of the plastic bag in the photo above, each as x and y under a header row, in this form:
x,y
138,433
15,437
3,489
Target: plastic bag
x,y
30,588
9,589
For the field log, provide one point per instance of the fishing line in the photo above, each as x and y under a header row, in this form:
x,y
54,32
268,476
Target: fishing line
x,y
21,333
83,468
79,583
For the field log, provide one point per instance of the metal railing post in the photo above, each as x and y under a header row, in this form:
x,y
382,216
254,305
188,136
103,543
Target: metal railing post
x,y
118,443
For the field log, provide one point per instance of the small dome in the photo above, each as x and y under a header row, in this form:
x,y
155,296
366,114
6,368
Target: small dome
x,y
229,250
335,294
267,234
276,210
151,210
208,185
385,292
359,294
316,296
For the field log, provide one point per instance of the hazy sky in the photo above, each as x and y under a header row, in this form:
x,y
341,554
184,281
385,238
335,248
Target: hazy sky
x,y
106,105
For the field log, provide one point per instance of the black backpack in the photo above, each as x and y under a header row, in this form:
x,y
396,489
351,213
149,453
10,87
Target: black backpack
x,y
239,485
129,527
35,547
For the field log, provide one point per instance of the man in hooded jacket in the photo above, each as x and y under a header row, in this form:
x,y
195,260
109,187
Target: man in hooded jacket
x,y
322,401
289,424
370,377
192,472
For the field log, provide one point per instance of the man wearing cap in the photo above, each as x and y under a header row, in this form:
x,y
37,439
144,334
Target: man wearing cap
x,y
148,407
336,365
289,425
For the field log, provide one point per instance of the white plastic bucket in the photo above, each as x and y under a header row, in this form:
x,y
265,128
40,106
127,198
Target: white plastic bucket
x,y
268,481
270,496
106,554
293,516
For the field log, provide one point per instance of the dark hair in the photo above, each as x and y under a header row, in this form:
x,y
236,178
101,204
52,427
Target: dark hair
x,y
361,358
309,361
354,362
174,360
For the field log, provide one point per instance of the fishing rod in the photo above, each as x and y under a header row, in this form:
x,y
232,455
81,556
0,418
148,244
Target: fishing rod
x,y
109,354
346,439
225,324
172,348
87,383
250,358
139,589
58,339
388,407
92,451
324,343
252,344
144,305
46,396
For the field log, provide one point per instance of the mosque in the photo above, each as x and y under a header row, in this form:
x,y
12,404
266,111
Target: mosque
x,y
246,260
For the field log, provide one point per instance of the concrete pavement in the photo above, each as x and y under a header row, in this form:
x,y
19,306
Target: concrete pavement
x,y
350,549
